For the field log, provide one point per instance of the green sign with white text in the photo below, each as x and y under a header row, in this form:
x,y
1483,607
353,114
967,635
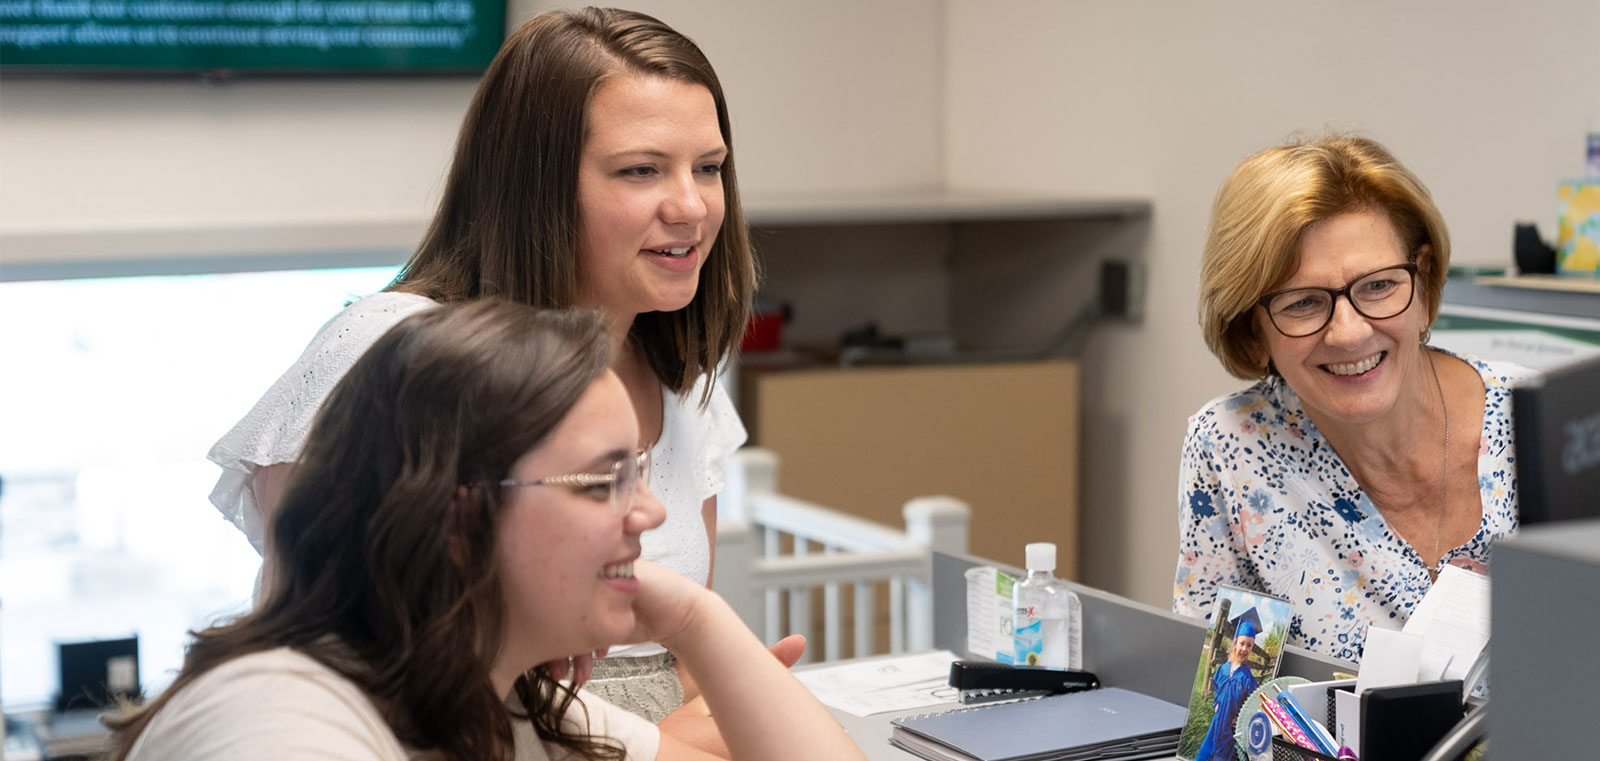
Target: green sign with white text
x,y
282,36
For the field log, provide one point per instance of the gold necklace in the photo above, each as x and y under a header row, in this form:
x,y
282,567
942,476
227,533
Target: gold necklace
x,y
1444,487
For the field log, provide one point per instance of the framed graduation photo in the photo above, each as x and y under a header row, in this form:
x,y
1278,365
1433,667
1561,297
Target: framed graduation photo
x,y
1241,651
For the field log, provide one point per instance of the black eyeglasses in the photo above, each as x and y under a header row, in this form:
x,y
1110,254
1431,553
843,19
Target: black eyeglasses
x,y
622,482
1377,295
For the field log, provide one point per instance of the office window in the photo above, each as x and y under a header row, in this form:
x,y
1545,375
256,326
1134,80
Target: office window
x,y
112,392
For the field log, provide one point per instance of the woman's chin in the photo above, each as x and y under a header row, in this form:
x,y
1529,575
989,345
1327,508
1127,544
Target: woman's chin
x,y
673,303
620,630
1363,411
1350,402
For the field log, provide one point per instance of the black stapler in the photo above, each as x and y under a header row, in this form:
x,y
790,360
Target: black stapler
x,y
984,681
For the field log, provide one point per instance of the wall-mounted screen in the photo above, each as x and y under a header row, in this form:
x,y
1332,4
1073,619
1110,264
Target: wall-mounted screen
x,y
250,36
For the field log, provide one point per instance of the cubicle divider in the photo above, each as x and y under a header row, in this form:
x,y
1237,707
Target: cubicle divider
x,y
1126,643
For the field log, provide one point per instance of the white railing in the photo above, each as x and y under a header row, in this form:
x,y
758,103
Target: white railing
x,y
830,549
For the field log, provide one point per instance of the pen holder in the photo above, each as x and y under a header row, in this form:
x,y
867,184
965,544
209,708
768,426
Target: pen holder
x,y
1284,749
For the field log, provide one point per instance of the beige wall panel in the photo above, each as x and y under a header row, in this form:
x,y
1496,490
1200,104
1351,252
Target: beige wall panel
x,y
1002,437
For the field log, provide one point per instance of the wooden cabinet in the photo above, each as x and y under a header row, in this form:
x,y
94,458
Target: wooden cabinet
x,y
1002,437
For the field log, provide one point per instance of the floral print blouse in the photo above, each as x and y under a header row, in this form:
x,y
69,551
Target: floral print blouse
x,y
1265,503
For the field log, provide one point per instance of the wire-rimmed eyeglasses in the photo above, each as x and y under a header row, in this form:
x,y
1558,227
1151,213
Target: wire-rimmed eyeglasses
x,y
1377,295
621,482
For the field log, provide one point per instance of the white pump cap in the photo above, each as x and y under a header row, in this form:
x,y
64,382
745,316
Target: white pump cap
x,y
1041,556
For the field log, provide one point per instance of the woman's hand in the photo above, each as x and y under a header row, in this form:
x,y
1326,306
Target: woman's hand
x,y
787,650
692,723
760,710
667,604
581,667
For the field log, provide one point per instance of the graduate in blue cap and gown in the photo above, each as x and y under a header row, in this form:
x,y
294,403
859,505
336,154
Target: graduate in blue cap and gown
x,y
1232,683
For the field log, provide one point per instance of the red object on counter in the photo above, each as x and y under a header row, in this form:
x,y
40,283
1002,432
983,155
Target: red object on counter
x,y
764,332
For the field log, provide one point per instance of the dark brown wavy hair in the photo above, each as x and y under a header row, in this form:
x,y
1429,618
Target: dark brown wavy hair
x,y
379,578
507,224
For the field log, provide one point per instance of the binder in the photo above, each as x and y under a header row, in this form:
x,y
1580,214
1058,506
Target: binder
x,y
1103,724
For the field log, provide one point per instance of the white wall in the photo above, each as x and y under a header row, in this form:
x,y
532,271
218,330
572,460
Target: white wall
x,y
817,105
829,96
1487,101
87,155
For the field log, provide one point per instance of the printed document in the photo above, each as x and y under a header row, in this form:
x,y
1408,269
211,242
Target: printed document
x,y
879,685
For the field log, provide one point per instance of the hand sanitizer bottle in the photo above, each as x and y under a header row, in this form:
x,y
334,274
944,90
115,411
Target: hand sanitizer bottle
x,y
1046,615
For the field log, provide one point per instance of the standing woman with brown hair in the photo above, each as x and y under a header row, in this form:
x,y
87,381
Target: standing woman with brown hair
x,y
594,169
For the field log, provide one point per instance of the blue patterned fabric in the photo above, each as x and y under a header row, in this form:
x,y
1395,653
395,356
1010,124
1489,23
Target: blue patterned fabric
x,y
1266,504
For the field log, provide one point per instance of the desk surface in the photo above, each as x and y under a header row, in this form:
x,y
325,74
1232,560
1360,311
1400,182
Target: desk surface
x,y
871,733
1126,643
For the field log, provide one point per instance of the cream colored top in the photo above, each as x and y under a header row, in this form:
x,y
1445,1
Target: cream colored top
x,y
282,704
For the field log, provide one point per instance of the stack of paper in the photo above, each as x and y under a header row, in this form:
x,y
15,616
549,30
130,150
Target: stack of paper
x,y
1453,622
1442,639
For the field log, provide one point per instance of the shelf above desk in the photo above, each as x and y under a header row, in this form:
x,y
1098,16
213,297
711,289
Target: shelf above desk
x,y
990,269
937,206
1544,283
1546,296
252,245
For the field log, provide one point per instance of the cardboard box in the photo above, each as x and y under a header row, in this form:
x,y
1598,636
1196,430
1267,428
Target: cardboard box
x,y
1002,437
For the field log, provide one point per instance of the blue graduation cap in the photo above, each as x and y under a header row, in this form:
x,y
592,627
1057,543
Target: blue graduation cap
x,y
1247,624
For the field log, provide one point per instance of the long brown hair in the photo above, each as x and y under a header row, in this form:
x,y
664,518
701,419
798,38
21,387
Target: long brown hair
x,y
507,224
379,576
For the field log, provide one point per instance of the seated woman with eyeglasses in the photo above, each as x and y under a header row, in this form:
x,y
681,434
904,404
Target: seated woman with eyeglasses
x,y
468,507
1362,460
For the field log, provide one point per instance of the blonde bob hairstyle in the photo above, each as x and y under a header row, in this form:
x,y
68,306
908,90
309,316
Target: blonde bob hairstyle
x,y
1265,205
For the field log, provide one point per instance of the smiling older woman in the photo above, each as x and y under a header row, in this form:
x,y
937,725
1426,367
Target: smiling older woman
x,y
1362,460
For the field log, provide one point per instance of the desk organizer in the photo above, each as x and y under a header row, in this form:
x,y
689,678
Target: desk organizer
x,y
1285,750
